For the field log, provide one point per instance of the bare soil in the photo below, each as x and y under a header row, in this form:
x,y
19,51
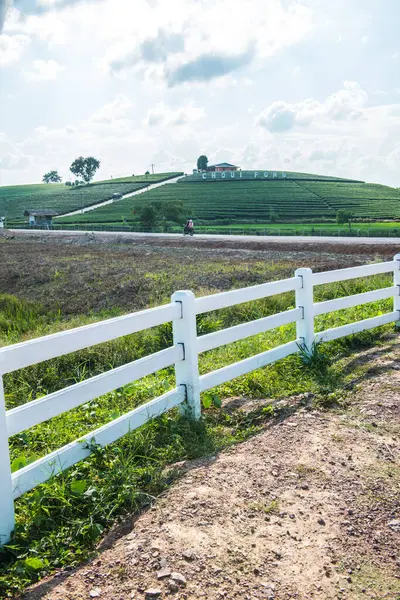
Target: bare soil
x,y
82,273
307,509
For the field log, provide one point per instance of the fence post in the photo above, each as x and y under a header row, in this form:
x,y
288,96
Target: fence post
x,y
185,333
6,496
305,301
396,303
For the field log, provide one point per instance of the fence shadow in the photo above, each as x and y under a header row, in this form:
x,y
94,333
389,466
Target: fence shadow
x,y
244,408
174,473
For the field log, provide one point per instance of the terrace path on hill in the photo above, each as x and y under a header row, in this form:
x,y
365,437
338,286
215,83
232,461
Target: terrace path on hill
x,y
306,509
150,187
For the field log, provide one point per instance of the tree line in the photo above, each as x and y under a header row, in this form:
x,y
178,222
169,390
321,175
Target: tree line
x,y
81,167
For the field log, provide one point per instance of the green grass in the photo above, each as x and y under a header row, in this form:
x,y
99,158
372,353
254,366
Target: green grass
x,y
232,202
59,523
381,228
299,197
363,200
250,202
14,200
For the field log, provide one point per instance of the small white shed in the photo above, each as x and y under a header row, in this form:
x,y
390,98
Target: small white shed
x,y
41,217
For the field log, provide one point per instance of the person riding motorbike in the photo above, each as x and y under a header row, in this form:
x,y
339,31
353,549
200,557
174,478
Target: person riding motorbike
x,y
189,227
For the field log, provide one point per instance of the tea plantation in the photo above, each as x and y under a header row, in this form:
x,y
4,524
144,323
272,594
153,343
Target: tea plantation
x,y
14,200
248,201
363,200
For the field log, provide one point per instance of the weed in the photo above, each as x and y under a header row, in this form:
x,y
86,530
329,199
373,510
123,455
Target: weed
x,y
339,439
268,509
304,470
314,358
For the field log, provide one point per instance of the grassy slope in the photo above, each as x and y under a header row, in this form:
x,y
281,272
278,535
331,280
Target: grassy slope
x,y
234,201
59,522
255,201
363,200
14,200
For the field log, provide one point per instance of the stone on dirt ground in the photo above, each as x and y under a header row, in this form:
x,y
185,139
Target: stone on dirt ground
x,y
301,512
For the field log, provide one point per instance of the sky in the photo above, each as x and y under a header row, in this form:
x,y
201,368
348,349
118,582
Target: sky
x,y
295,85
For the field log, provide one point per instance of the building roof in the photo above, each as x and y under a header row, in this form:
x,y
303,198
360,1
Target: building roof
x,y
41,213
223,165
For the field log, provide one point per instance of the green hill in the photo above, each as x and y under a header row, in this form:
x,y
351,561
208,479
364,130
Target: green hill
x,y
300,197
14,200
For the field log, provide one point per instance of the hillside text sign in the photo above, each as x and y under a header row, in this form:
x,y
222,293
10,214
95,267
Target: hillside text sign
x,y
242,175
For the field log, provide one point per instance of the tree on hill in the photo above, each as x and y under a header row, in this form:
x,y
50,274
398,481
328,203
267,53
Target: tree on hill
x,y
52,177
160,213
148,216
85,168
202,163
344,216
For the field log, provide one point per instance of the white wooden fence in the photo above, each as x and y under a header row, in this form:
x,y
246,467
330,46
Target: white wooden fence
x,y
183,354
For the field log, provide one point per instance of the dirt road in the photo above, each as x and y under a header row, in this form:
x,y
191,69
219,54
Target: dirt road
x,y
307,509
237,239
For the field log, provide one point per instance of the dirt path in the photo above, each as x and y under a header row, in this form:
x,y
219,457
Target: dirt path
x,y
309,508
236,239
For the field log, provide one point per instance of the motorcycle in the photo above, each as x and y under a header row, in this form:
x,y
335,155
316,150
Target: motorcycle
x,y
188,231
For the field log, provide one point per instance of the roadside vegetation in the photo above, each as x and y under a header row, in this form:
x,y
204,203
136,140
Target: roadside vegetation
x,y
59,523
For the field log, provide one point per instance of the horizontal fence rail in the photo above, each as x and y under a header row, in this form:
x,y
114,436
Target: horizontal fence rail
x,y
350,301
37,411
353,273
240,332
255,292
51,346
41,470
183,354
338,332
247,365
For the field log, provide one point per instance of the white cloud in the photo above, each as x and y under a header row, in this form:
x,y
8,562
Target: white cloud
x,y
44,70
48,27
198,44
346,104
280,116
165,116
12,48
14,162
114,111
